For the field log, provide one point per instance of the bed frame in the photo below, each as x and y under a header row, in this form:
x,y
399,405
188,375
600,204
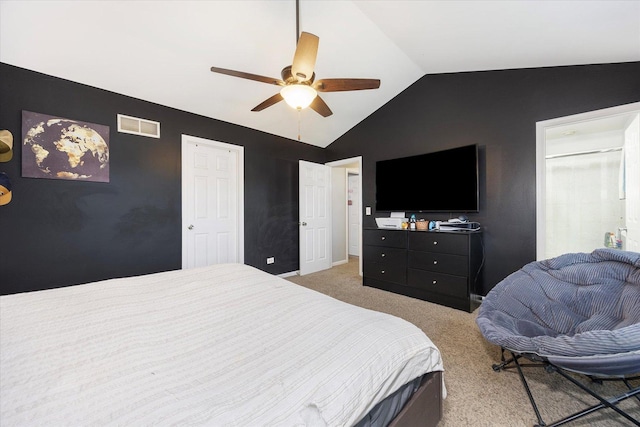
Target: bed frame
x,y
424,408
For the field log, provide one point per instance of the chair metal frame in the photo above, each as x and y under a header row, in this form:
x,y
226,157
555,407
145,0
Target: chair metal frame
x,y
538,361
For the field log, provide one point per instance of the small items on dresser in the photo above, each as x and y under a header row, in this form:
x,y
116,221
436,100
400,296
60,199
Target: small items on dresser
x,y
412,222
422,224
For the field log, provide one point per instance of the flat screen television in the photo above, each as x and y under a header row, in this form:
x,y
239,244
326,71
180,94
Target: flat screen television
x,y
442,181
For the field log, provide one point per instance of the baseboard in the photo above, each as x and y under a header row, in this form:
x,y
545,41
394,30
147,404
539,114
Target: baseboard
x,y
344,261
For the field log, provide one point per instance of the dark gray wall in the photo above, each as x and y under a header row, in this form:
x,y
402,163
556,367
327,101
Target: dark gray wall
x,y
497,110
58,233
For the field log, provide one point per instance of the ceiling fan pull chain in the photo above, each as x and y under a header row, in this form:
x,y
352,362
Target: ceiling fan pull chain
x,y
299,117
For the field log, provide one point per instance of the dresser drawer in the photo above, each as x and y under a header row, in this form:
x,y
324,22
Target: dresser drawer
x,y
384,263
387,272
386,256
390,238
448,243
444,284
457,265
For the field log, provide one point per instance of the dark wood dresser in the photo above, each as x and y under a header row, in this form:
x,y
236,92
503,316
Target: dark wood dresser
x,y
444,267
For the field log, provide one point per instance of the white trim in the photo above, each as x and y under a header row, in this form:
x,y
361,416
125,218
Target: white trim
x,y
342,163
541,130
240,168
353,171
346,215
342,202
341,262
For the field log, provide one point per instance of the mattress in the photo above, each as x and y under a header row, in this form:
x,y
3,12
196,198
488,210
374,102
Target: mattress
x,y
224,345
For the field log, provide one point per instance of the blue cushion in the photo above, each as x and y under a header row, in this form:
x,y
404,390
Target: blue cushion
x,y
575,305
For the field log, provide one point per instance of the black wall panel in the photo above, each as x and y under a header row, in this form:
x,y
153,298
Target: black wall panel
x,y
497,110
57,233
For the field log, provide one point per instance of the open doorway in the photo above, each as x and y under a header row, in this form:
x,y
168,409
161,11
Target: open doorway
x,y
346,208
588,182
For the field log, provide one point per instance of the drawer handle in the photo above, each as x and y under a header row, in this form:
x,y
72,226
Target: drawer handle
x,y
435,282
383,238
382,272
435,262
435,242
383,255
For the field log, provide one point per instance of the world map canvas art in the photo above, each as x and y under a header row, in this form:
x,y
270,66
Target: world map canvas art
x,y
58,148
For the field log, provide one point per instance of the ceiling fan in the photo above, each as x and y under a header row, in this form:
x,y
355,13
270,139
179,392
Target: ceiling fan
x,y
299,87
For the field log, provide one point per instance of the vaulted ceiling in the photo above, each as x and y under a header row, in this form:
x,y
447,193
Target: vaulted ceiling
x,y
162,51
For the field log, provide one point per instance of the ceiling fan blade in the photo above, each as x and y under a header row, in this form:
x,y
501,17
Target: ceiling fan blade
x,y
319,106
249,76
339,85
269,102
304,59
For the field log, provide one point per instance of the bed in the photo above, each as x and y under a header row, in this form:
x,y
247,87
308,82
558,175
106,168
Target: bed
x,y
226,345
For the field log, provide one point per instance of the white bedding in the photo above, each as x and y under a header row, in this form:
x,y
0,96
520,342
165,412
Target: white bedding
x,y
222,345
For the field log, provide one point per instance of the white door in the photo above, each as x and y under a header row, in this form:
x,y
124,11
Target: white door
x,y
315,217
354,214
632,184
212,208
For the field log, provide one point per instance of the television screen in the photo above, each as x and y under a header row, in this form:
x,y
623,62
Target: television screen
x,y
442,181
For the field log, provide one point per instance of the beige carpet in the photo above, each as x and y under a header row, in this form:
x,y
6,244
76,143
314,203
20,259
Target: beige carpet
x,y
477,396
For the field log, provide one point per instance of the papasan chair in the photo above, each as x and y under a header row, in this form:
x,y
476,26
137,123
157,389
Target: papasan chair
x,y
577,313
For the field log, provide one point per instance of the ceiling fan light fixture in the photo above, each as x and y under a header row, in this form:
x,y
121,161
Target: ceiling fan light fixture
x,y
298,96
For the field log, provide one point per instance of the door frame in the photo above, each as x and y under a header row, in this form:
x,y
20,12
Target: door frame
x,y
353,172
343,163
541,130
239,150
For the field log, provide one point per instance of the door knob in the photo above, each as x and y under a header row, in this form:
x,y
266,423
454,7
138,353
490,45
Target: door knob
x,y
190,227
304,223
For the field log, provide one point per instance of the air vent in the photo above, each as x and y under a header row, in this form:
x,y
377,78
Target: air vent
x,y
136,126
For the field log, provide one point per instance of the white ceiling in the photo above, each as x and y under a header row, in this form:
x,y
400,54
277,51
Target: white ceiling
x,y
161,51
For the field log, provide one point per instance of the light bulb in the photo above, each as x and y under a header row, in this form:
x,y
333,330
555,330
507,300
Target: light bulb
x,y
298,96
